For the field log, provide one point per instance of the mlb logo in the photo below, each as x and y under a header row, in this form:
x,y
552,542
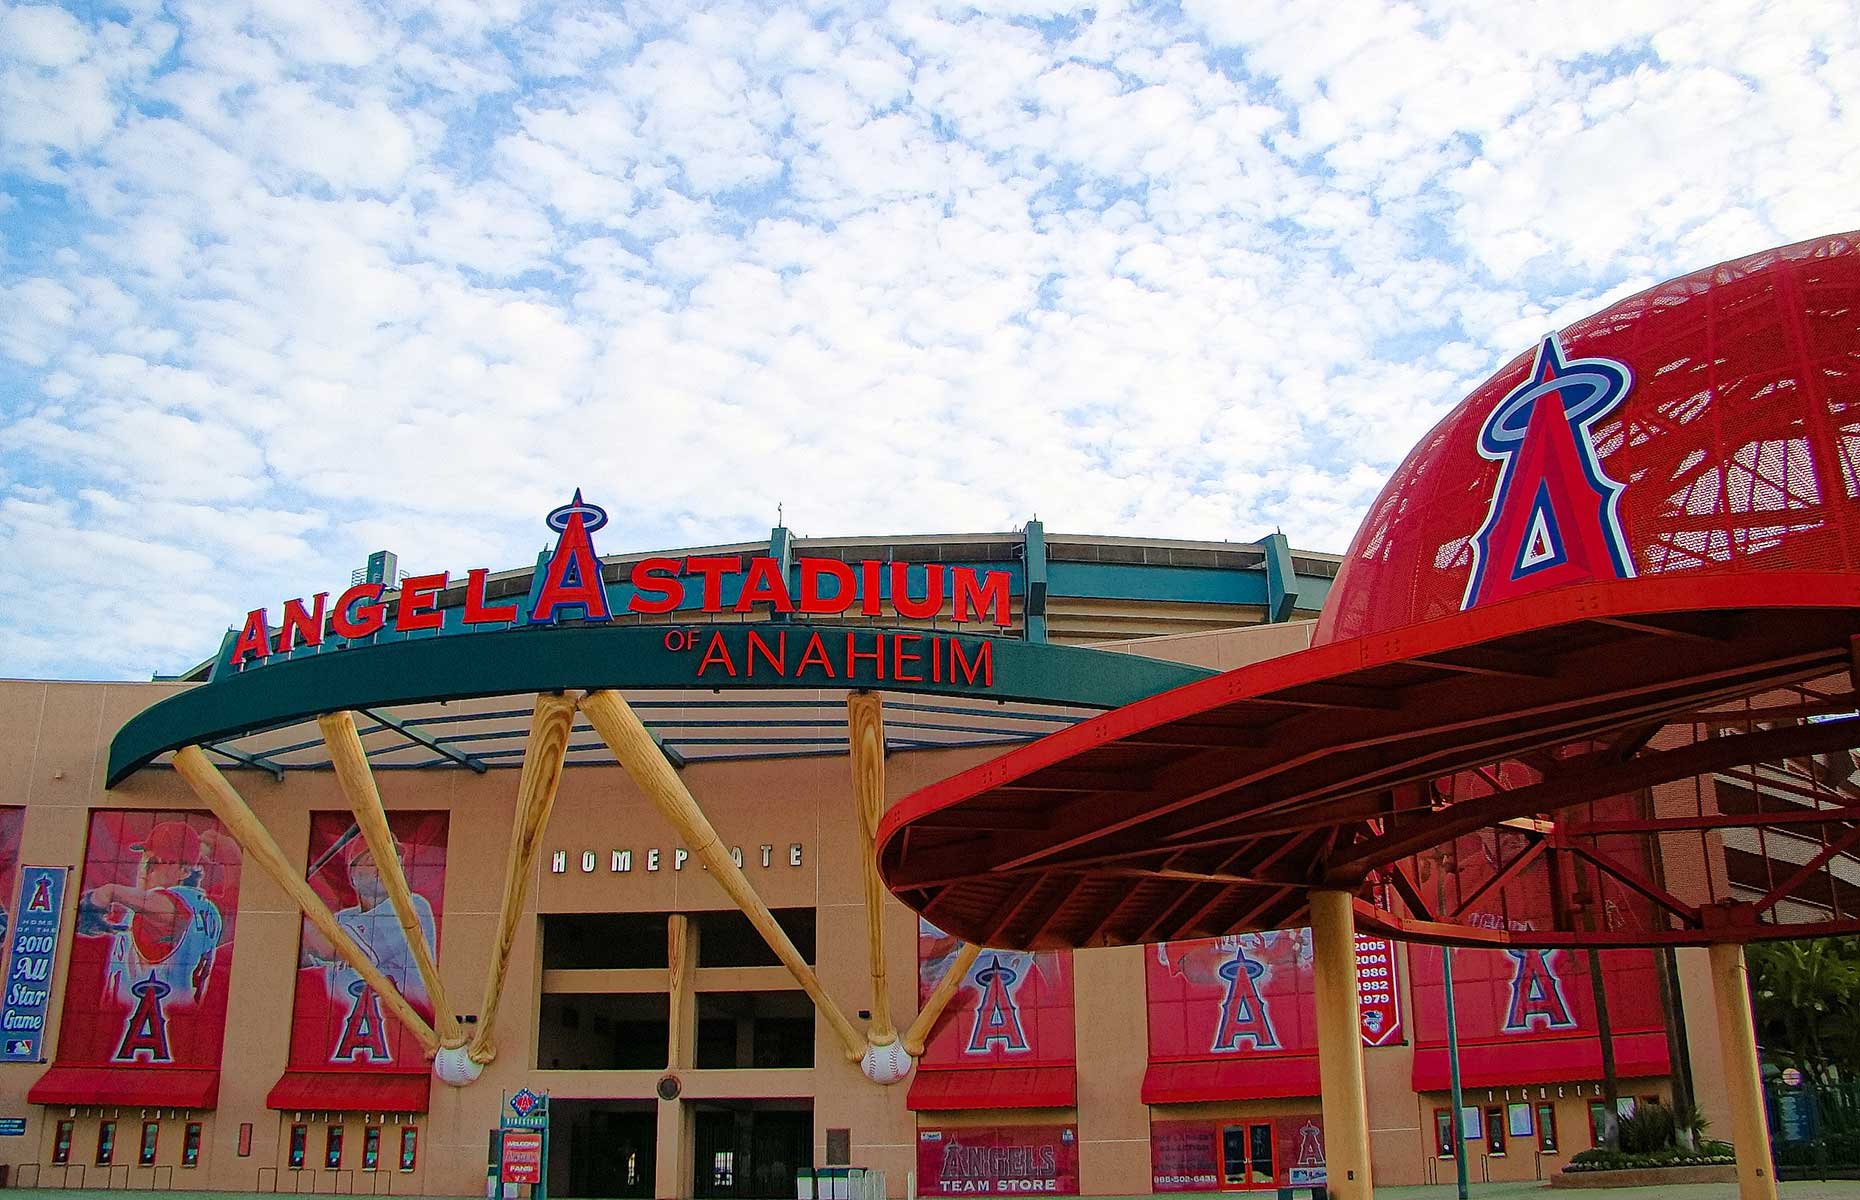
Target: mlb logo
x,y
18,1047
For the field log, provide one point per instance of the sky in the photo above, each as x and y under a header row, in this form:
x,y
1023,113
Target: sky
x,y
284,282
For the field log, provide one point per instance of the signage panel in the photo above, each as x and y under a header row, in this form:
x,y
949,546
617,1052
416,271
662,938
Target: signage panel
x,y
522,1156
1002,1160
38,917
1014,1007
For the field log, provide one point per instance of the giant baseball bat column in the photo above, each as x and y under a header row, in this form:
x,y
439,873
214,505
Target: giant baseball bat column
x,y
940,996
865,735
358,784
543,755
230,807
614,719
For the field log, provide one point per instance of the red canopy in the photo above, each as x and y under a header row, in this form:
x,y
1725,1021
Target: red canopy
x,y
994,1087
140,1087
1265,1078
350,1091
1548,1060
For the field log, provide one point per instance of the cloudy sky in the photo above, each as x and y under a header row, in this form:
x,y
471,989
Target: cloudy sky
x,y
284,282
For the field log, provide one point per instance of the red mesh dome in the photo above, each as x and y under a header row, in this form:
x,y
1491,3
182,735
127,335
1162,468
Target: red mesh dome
x,y
1710,424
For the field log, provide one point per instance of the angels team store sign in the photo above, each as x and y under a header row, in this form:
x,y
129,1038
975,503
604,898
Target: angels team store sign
x,y
571,587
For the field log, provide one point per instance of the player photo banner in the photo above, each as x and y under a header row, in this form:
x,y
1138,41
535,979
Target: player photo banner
x,y
338,1022
1014,1008
152,951
998,1160
37,918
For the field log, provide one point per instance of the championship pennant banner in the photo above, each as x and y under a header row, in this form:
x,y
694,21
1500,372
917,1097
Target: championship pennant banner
x,y
37,919
152,951
338,1022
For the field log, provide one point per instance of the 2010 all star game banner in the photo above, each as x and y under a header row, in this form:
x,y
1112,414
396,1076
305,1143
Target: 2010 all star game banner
x,y
338,1023
1013,1008
151,955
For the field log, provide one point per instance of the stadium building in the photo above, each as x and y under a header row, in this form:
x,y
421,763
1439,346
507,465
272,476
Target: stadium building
x,y
434,854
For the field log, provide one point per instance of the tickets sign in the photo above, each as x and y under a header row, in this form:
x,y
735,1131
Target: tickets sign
x,y
37,919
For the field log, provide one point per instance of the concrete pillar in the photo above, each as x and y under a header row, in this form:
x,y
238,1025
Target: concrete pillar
x,y
1340,1045
1743,1082
672,1171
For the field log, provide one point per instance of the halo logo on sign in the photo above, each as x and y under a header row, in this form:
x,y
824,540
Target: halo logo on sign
x,y
1553,518
1243,1009
997,1017
524,1102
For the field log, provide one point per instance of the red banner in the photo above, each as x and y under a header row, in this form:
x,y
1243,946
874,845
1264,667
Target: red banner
x,y
153,947
1001,1160
12,828
1246,994
1013,1008
522,1156
1251,994
339,1024
1376,991
1524,995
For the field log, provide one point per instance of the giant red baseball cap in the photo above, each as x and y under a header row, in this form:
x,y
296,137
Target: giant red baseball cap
x,y
1652,510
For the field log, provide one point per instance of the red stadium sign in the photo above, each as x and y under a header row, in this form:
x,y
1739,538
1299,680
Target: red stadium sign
x,y
570,582
521,1161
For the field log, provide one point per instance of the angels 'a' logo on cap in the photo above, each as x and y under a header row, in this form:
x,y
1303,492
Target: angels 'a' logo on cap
x,y
1553,519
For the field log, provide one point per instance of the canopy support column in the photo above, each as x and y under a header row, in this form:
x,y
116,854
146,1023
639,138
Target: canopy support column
x,y
865,735
1340,1044
1743,1082
620,727
543,755
230,807
358,784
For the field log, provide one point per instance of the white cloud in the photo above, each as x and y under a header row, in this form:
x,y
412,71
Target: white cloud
x,y
287,283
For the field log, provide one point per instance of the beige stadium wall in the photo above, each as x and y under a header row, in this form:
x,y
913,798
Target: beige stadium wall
x,y
54,740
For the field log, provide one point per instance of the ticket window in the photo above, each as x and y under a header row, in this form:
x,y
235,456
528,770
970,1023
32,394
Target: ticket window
x,y
1495,1131
151,1138
190,1145
1546,1128
106,1143
1247,1156
1443,1132
371,1148
61,1147
332,1147
300,1140
409,1147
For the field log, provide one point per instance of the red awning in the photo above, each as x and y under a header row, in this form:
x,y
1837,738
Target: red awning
x,y
1231,1079
994,1087
350,1091
143,1087
1547,1060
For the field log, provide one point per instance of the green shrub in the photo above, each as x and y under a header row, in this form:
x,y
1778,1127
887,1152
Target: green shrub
x,y
1600,1159
1649,1130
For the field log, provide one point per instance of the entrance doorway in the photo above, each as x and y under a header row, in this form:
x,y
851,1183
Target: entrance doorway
x,y
750,1149
1246,1156
602,1148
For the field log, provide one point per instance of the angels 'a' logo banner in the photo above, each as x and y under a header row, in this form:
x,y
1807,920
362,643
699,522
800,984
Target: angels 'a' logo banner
x,y
339,1022
152,951
1012,1007
1245,994
1553,518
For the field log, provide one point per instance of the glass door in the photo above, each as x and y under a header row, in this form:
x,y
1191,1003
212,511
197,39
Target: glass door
x,y
1247,1157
